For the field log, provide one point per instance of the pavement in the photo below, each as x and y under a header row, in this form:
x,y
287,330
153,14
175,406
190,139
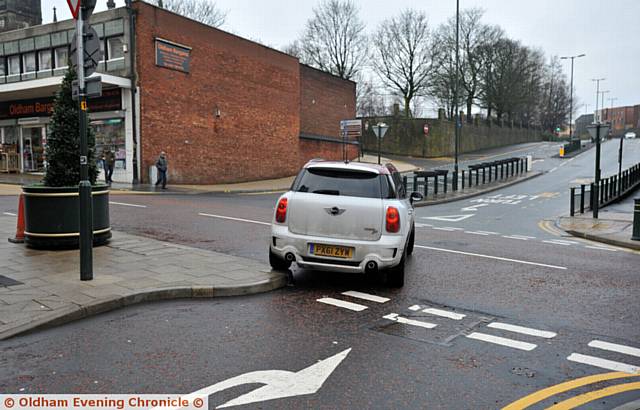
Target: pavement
x,y
42,288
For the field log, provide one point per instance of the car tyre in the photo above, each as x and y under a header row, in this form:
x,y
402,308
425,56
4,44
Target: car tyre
x,y
277,263
412,238
395,275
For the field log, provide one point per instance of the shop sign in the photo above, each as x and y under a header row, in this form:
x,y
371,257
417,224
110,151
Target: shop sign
x,y
111,100
172,56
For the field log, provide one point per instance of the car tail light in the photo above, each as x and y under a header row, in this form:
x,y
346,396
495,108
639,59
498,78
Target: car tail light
x,y
393,219
281,211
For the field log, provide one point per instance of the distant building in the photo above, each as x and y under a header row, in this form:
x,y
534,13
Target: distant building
x,y
581,125
17,14
622,118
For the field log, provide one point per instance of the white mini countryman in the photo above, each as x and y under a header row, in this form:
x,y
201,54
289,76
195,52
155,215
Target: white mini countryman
x,y
345,217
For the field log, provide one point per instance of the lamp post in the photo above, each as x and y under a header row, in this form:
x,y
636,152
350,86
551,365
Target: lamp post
x,y
571,95
597,80
456,116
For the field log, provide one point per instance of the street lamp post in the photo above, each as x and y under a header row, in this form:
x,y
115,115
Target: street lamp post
x,y
595,113
571,95
456,116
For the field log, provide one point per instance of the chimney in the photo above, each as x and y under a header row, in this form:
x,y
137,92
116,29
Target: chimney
x,y
111,4
55,16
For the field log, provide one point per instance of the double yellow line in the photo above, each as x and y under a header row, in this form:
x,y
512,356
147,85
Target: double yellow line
x,y
579,400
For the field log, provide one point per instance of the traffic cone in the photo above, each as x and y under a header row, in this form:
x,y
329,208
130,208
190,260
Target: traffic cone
x,y
20,224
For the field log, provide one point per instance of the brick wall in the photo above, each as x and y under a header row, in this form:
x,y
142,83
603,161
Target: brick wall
x,y
258,91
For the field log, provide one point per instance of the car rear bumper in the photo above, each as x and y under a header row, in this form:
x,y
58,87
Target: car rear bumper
x,y
386,252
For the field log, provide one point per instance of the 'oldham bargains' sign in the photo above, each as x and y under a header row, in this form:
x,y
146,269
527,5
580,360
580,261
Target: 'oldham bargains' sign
x,y
111,100
172,55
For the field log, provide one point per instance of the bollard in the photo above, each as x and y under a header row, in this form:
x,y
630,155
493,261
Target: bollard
x,y
463,179
581,198
445,183
572,207
636,220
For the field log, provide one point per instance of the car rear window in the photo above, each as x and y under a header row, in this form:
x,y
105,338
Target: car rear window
x,y
328,181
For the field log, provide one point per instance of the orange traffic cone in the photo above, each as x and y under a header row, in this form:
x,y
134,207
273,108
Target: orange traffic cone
x,y
20,224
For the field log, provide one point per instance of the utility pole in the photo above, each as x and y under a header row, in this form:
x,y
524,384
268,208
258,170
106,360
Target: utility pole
x,y
597,80
456,117
571,95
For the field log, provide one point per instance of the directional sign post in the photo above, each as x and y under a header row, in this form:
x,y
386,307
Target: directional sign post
x,y
380,129
596,130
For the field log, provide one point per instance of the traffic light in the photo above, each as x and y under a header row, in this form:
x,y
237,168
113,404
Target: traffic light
x,y
558,129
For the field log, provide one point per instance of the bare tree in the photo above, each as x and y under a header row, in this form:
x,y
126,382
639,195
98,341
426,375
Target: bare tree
x,y
407,55
293,49
369,102
204,11
554,105
334,39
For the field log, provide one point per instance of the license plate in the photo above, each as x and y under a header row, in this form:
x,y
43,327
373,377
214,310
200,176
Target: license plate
x,y
331,250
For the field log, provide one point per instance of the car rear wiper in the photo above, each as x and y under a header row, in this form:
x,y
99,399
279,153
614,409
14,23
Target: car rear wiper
x,y
326,192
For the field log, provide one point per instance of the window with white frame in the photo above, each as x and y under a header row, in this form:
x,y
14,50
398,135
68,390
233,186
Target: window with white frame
x,y
13,65
44,60
114,48
29,62
61,57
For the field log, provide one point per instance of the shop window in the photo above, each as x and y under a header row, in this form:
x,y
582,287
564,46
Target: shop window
x,y
29,62
109,134
61,57
44,60
13,63
114,48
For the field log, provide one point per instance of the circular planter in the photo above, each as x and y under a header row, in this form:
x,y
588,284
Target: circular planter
x,y
52,216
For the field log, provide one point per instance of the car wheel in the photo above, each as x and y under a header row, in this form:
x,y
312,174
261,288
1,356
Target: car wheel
x,y
395,275
277,263
412,238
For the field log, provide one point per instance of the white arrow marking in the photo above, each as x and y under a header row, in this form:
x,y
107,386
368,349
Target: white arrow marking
x,y
277,383
449,218
473,207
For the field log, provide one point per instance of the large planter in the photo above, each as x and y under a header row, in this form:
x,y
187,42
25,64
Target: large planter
x,y
52,216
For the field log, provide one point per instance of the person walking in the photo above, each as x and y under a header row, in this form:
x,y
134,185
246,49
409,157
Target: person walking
x,y
161,165
109,162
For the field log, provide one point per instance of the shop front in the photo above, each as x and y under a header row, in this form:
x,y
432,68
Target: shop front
x,y
24,126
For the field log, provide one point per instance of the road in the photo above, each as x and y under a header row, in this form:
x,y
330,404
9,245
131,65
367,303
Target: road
x,y
482,263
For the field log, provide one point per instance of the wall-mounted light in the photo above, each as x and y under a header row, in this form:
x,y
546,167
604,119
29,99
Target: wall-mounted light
x,y
125,48
216,111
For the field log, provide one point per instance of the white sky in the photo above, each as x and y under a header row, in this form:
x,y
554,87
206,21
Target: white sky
x,y
608,31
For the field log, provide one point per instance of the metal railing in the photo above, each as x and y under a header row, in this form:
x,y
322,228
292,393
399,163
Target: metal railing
x,y
439,181
610,190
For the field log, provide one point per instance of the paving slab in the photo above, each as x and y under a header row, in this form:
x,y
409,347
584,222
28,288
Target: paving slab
x,y
614,229
126,271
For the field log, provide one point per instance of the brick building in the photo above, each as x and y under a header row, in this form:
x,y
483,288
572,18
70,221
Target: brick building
x,y
622,119
225,109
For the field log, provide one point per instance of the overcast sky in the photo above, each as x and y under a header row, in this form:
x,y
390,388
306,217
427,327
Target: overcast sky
x,y
607,31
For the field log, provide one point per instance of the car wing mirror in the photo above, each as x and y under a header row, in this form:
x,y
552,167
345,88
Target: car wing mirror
x,y
416,197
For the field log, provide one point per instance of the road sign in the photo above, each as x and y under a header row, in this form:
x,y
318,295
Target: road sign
x,y
380,129
277,383
92,51
74,6
351,128
425,128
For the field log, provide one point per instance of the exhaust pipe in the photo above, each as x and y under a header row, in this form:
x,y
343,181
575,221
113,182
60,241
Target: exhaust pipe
x,y
290,257
371,267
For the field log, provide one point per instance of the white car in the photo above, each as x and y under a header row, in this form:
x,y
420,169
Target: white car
x,y
630,135
345,217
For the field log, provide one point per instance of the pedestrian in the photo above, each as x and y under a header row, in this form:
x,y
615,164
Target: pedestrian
x,y
108,162
161,165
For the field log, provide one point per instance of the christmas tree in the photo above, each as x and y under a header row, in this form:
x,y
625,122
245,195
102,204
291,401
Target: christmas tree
x,y
63,141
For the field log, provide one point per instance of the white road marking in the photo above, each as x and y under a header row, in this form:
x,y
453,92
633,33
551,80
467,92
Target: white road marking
x,y
415,308
420,225
479,255
473,207
515,237
599,344
477,233
565,241
126,204
343,304
444,313
524,330
10,213
449,218
366,296
396,318
553,169
443,229
603,363
489,232
451,228
557,243
602,248
502,341
235,219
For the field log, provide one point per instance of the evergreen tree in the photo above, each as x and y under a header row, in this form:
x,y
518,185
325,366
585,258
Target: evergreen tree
x,y
63,141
